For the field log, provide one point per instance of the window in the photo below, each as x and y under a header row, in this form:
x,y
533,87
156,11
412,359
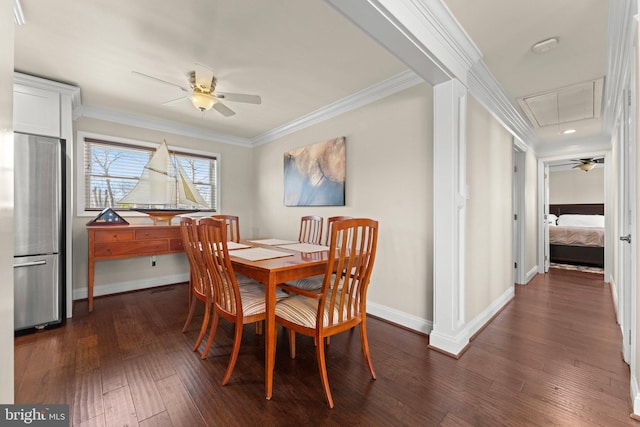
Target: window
x,y
112,167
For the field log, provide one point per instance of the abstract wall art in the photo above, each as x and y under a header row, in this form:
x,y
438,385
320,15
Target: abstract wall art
x,y
314,175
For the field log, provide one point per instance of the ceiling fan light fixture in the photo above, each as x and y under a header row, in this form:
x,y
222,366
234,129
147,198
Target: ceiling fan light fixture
x,y
202,101
586,166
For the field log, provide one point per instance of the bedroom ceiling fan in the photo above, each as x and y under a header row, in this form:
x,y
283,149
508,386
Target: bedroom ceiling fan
x,y
587,164
202,91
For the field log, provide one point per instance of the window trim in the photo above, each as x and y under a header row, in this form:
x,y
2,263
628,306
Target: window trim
x,y
79,177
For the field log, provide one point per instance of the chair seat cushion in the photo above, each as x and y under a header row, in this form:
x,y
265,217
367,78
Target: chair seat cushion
x,y
303,310
313,283
242,279
253,298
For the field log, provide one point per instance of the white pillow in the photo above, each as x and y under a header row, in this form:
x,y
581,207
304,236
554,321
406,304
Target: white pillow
x,y
551,219
575,220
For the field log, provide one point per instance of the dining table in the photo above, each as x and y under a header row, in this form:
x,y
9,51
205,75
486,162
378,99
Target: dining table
x,y
292,264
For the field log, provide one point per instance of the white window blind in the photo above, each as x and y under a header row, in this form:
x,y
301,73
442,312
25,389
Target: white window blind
x,y
112,169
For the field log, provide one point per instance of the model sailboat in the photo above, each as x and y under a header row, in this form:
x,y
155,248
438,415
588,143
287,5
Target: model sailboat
x,y
165,188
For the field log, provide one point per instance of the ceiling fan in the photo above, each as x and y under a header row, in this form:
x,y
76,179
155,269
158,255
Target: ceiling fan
x,y
587,164
202,91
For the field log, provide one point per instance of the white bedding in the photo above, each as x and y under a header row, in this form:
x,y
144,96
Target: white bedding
x,y
576,220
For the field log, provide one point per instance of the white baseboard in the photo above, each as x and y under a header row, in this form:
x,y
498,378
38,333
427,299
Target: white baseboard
x,y
531,273
400,318
635,394
455,344
114,288
487,314
449,344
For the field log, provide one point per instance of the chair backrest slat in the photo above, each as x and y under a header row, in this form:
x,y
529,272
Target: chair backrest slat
x,y
352,251
310,229
330,221
232,227
226,294
199,278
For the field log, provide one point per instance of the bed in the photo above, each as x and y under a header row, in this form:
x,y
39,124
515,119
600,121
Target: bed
x,y
576,234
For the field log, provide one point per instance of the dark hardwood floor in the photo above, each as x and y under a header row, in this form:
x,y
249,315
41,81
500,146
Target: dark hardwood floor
x,y
551,357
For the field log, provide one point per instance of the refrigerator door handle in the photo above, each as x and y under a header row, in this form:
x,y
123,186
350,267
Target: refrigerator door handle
x,y
30,264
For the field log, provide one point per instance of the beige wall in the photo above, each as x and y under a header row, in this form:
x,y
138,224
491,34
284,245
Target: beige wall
x,y
6,201
389,178
489,252
531,210
235,194
576,186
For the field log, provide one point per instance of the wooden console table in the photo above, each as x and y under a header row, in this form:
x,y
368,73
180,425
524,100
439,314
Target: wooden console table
x,y
127,241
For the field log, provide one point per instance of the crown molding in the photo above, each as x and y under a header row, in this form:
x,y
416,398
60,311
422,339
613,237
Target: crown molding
x,y
161,125
488,91
366,96
46,84
586,146
427,28
450,42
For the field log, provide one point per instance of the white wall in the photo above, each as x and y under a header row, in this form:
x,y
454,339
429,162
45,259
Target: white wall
x,y
489,252
236,195
389,178
576,186
6,201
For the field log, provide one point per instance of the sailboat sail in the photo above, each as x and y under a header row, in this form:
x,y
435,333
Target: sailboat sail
x,y
164,184
188,191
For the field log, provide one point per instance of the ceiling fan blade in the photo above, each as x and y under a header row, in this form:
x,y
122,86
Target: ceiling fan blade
x,y
239,97
204,76
177,101
223,109
146,76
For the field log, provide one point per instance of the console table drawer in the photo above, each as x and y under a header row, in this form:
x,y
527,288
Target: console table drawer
x,y
132,248
176,245
160,233
113,236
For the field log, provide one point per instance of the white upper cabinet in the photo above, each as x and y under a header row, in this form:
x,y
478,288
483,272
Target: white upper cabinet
x,y
36,111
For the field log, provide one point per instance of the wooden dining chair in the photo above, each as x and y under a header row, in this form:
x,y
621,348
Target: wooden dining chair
x,y
341,303
237,304
232,223
233,226
310,229
313,283
200,283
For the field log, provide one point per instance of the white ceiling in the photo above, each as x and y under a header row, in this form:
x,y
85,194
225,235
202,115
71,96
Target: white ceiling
x,y
297,55
506,30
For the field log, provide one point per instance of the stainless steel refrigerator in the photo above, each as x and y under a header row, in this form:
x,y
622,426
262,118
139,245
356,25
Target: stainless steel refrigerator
x,y
38,266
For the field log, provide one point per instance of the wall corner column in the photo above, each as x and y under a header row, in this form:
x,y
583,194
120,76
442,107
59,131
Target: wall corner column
x,y
449,334
6,202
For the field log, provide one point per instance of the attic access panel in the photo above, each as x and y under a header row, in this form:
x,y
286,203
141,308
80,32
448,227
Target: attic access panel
x,y
568,104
